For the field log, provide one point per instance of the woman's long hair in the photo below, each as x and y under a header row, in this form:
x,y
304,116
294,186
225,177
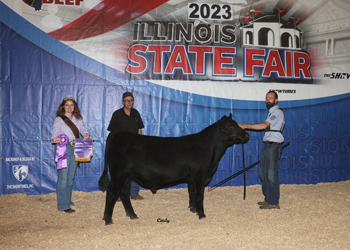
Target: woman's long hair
x,y
76,112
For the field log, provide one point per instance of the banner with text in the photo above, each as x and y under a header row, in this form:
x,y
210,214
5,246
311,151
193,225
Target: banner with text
x,y
188,63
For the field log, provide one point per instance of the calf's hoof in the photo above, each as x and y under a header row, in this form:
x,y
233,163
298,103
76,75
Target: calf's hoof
x,y
202,216
108,222
132,216
193,209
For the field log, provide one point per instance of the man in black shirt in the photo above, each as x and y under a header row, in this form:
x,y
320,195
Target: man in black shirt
x,y
128,119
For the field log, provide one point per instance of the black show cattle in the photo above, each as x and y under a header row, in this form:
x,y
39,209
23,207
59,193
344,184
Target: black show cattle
x,y
159,162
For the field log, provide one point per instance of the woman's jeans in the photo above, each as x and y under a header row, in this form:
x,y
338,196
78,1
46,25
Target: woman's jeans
x,y
134,189
65,181
269,160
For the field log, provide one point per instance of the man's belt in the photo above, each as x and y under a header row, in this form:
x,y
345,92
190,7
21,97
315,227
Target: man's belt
x,y
271,142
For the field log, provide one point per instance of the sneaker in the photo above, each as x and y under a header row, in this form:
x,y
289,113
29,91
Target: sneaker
x,y
137,197
270,206
262,203
69,210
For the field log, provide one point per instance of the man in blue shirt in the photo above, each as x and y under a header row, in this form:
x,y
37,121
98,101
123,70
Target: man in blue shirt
x,y
128,119
271,152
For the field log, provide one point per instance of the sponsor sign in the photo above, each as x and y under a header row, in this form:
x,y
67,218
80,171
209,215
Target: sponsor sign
x,y
20,172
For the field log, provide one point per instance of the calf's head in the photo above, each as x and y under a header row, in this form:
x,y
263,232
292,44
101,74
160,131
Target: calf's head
x,y
229,127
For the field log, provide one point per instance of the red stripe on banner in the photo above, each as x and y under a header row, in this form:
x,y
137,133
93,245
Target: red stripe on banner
x,y
104,17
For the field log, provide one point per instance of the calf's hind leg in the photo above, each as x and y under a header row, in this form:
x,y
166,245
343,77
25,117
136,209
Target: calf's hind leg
x,y
125,197
111,198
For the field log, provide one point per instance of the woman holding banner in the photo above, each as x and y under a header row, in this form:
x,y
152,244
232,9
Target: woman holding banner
x,y
67,126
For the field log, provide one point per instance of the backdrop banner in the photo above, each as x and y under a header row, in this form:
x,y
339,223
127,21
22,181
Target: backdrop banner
x,y
187,63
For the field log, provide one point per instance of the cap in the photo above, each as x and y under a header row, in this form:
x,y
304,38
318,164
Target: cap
x,y
127,94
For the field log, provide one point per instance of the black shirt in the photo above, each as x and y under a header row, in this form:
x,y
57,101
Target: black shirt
x,y
122,122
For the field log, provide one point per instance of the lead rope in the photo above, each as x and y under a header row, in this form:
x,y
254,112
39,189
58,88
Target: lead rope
x,y
239,172
244,179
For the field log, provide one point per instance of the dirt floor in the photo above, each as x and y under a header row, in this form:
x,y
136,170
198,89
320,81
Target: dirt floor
x,y
311,217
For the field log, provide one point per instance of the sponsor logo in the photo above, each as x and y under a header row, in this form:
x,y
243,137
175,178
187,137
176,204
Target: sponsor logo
x,y
20,172
37,4
284,91
20,186
20,159
338,75
63,2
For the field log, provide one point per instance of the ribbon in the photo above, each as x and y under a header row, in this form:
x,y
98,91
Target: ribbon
x,y
83,149
61,151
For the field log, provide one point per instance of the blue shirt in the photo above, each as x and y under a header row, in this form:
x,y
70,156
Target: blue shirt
x,y
276,118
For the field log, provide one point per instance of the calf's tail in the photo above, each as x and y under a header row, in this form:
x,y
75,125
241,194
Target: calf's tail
x,y
104,179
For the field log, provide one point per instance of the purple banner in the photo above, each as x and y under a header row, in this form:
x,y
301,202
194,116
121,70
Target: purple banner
x,y
61,152
83,149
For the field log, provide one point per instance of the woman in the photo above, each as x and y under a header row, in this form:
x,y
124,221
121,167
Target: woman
x,y
68,115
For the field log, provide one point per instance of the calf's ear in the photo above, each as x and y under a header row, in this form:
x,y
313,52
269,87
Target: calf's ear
x,y
230,116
